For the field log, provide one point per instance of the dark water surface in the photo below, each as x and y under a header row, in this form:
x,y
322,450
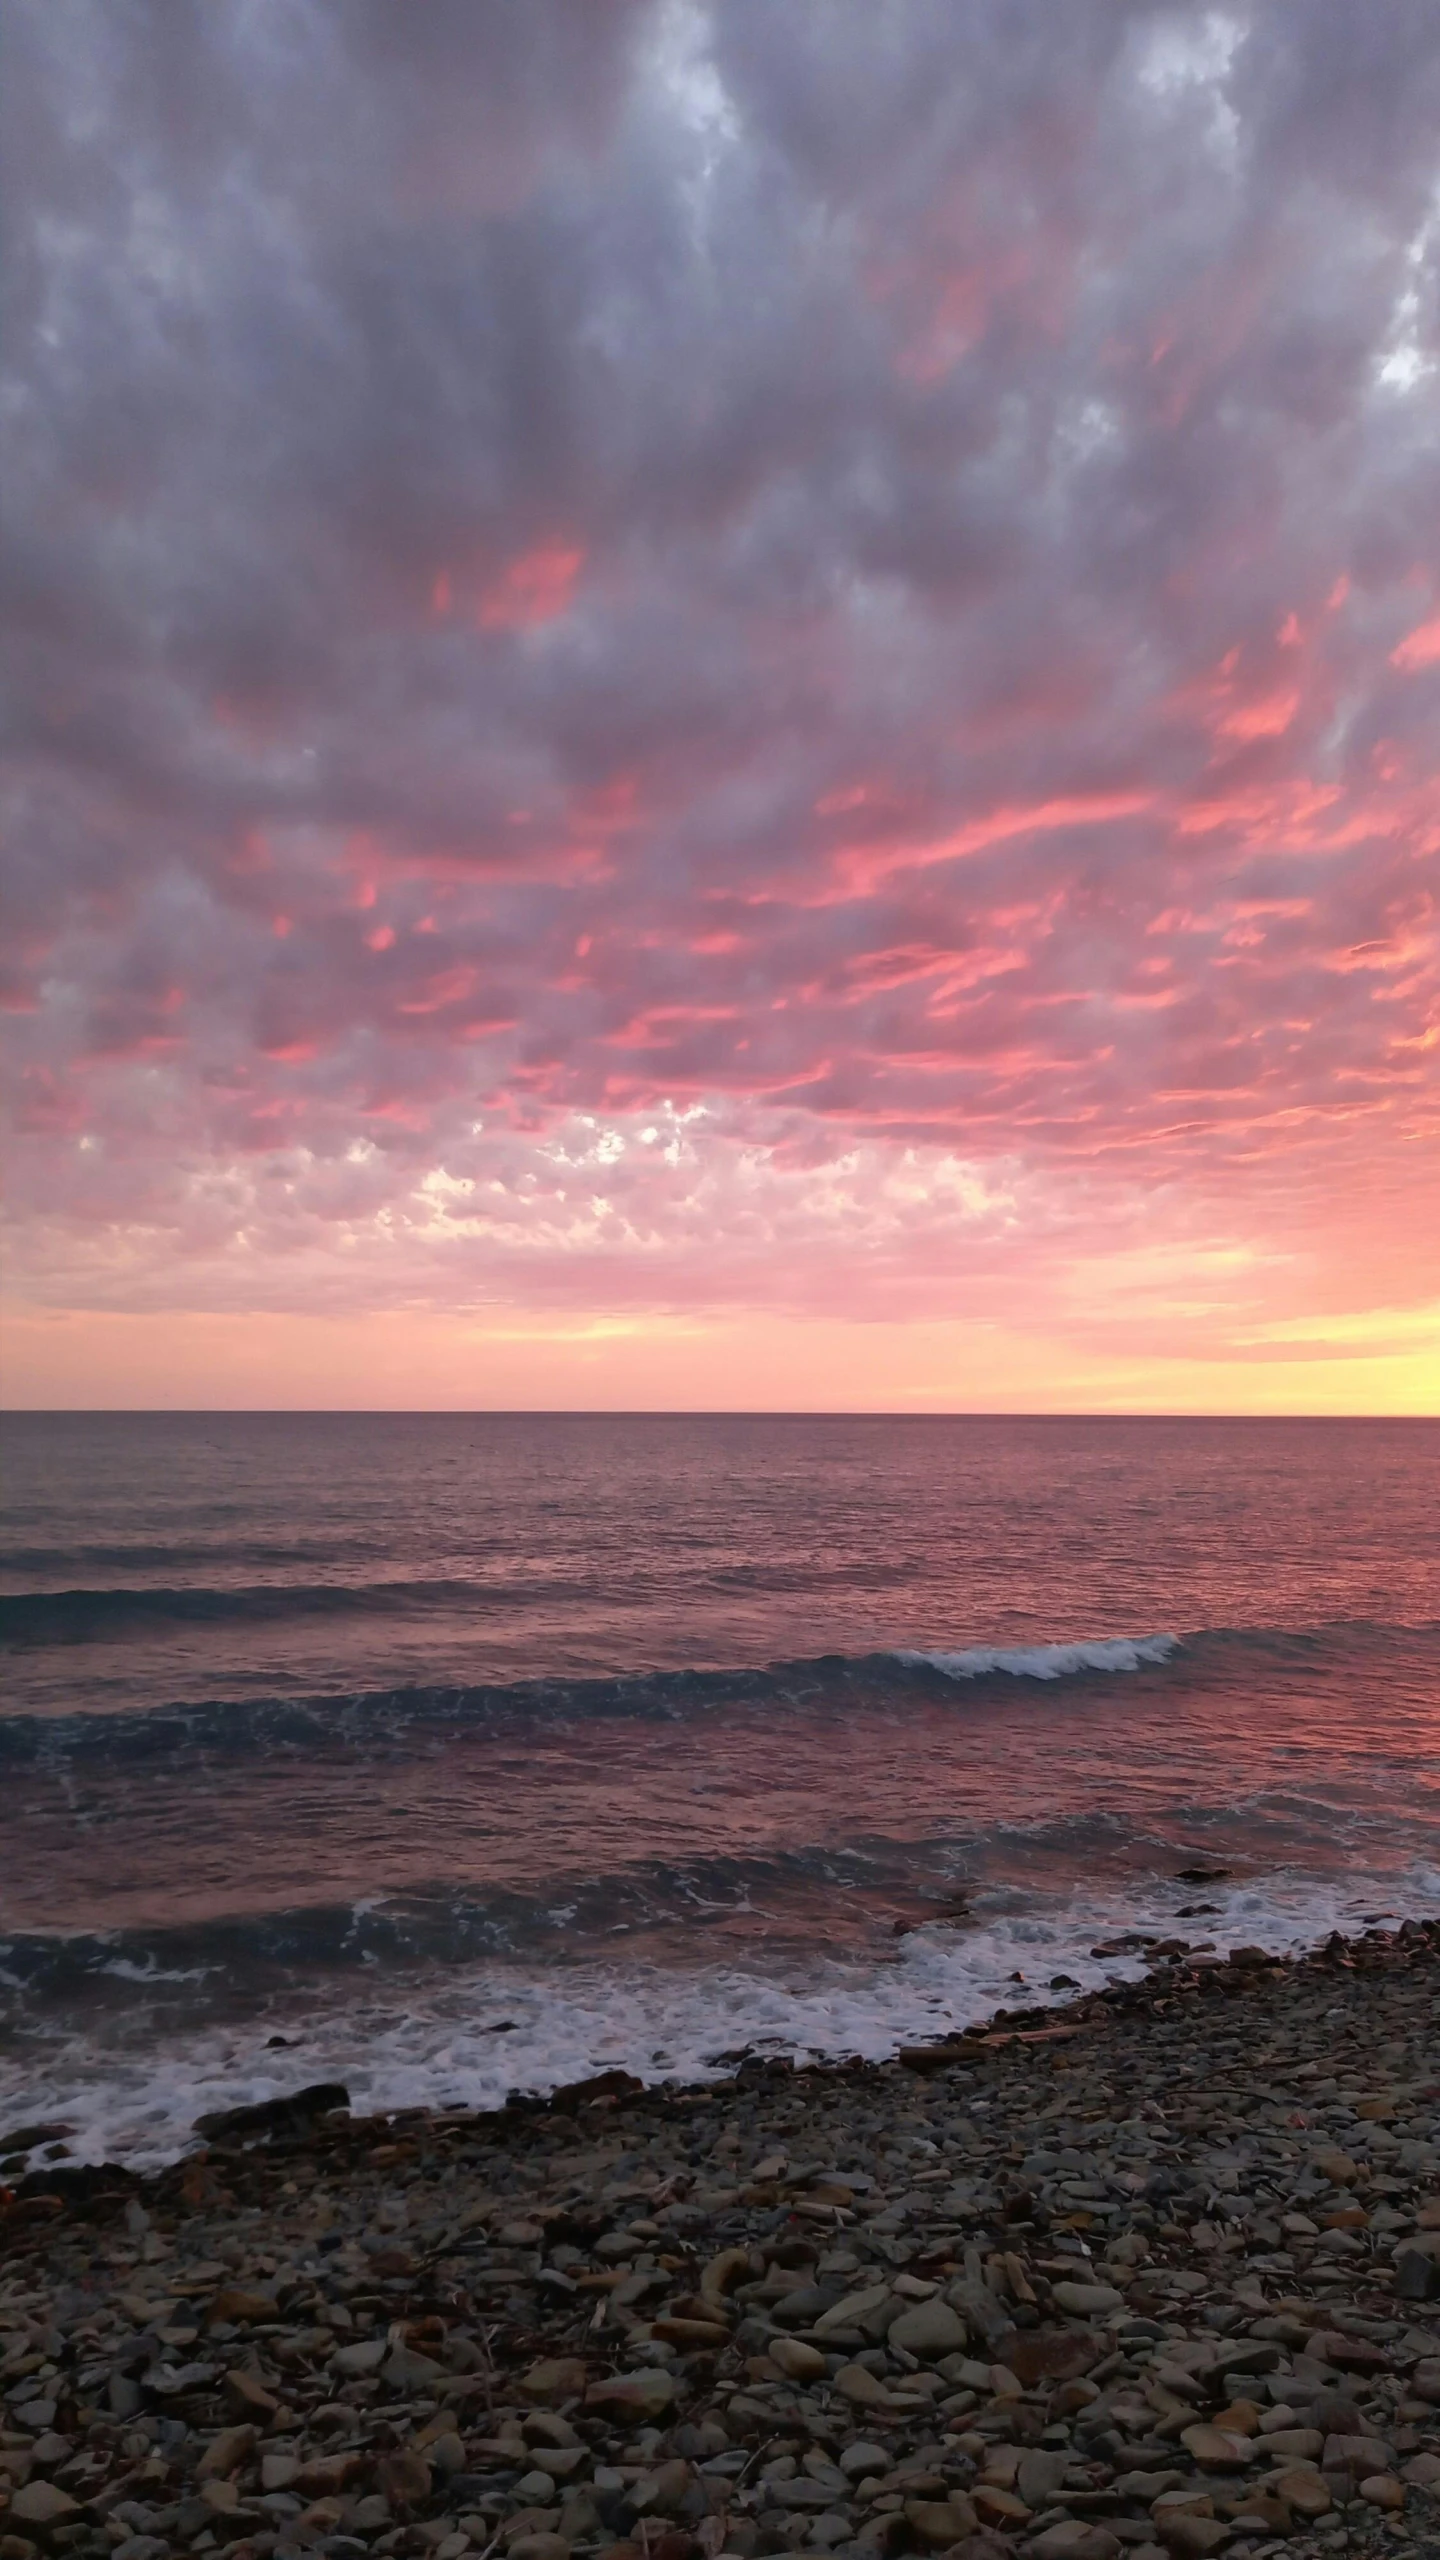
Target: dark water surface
x,y
472,1752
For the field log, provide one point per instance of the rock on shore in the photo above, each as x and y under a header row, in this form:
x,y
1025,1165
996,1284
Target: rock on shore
x,y
1157,2275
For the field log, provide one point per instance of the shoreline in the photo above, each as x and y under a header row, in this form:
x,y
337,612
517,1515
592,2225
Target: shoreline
x,y
1158,2272
676,2013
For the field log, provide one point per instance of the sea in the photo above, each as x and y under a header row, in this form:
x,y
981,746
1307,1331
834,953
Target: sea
x,y
451,1755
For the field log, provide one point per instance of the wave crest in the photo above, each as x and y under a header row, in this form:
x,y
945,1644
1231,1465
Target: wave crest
x,y
1047,1661
376,1718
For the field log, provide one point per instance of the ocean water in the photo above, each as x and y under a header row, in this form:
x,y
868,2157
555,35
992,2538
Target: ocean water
x,y
454,1754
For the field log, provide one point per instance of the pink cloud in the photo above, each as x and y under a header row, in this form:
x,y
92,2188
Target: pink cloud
x,y
1267,715
867,867
447,987
537,587
815,717
1421,648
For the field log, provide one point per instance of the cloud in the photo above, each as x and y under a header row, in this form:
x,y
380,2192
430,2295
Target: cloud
x,y
862,598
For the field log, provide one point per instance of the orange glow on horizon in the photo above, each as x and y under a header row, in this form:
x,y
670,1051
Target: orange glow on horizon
x,y
517,1359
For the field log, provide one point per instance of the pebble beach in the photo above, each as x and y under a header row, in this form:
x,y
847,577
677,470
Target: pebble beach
x,y
1155,2273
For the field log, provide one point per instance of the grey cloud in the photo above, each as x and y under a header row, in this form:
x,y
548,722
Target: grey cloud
x,y
929,410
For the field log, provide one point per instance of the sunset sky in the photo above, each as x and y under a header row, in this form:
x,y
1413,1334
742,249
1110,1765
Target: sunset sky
x,y
727,707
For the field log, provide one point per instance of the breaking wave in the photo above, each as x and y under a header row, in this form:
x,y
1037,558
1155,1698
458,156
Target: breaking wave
x,y
492,2022
377,1717
1048,1661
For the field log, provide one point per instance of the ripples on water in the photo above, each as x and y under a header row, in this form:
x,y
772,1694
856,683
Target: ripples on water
x,y
473,1750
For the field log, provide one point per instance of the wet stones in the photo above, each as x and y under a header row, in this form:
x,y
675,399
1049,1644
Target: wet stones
x,y
273,2115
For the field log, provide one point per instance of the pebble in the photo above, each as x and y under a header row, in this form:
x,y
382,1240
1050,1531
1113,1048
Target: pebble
x,y
1143,2285
1073,2540
1383,2490
931,2330
1215,2449
42,2505
1086,2298
1191,2537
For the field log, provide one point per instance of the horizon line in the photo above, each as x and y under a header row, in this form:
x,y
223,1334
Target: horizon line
x,y
681,1413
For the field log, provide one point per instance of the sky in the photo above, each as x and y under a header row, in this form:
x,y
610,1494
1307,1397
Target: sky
x,y
723,707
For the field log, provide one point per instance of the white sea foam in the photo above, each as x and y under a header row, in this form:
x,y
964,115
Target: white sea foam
x,y
398,2045
1047,1661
